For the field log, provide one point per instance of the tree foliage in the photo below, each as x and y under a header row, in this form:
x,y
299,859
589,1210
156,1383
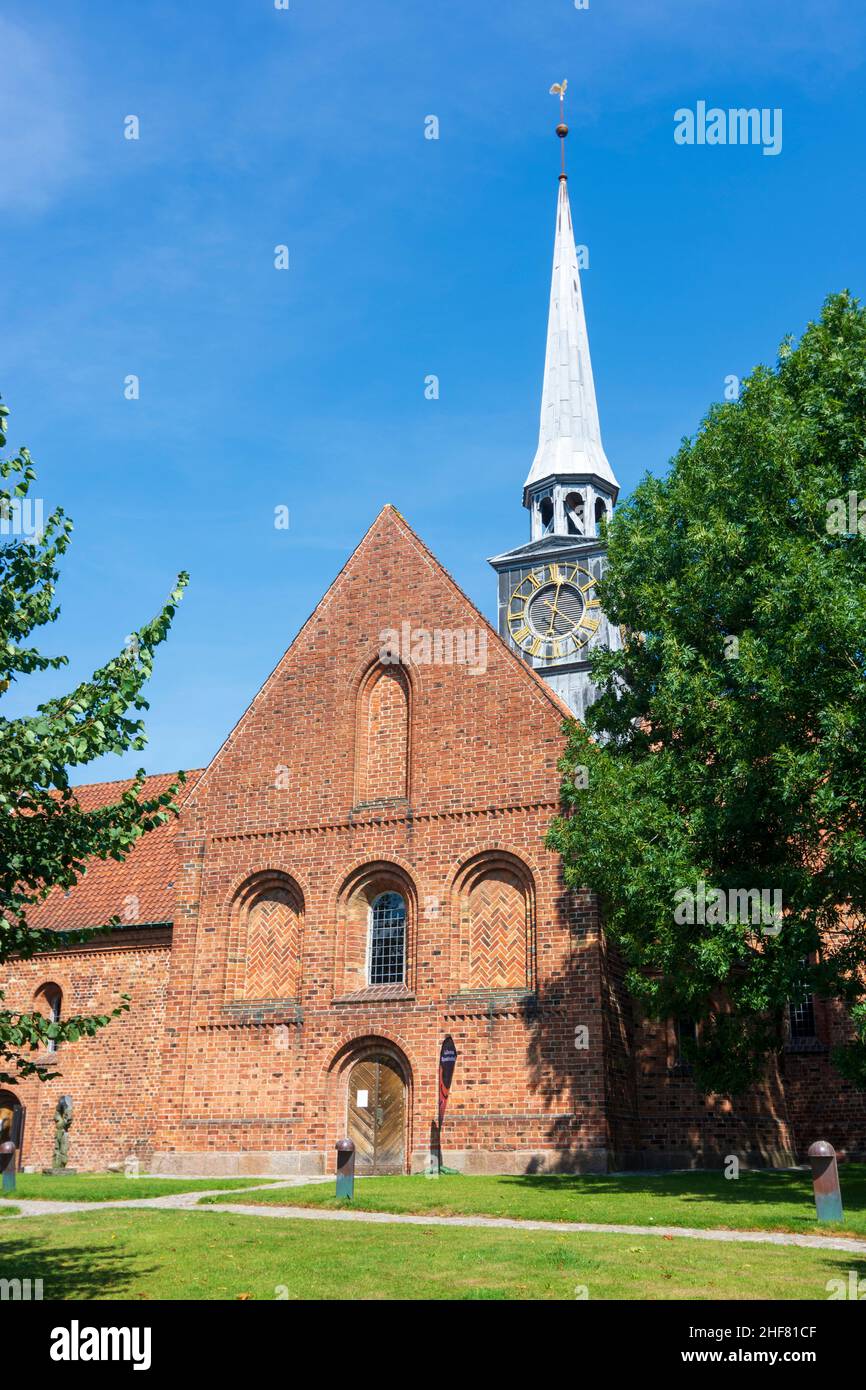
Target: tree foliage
x,y
46,836
728,742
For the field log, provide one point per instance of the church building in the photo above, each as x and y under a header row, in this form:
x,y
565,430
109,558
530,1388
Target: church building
x,y
361,873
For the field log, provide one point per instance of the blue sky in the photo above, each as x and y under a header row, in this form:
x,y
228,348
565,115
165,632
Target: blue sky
x,y
408,257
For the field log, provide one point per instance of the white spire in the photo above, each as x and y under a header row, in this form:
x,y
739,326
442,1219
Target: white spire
x,y
569,440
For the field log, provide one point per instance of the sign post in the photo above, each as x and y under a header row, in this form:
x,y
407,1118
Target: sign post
x,y
447,1063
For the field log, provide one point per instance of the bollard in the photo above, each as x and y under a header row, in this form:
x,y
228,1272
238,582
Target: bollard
x,y
346,1169
825,1180
7,1166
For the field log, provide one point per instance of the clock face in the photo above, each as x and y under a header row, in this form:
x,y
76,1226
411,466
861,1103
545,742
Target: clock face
x,y
553,612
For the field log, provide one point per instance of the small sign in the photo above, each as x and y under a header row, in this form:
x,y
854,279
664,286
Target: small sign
x,y
447,1063
362,1100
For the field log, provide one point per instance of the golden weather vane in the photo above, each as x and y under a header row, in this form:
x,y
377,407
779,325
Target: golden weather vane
x,y
559,89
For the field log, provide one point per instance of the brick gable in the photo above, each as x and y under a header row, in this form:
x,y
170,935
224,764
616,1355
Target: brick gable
x,y
500,729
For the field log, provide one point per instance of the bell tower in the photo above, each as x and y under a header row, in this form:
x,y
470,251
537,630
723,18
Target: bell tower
x,y
548,610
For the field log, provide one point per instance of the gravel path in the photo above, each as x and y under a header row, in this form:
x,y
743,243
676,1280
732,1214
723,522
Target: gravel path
x,y
188,1201
35,1206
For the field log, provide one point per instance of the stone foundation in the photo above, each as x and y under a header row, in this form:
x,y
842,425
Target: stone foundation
x,y
235,1164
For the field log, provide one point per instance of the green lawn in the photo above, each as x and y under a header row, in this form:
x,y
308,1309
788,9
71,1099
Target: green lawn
x,y
208,1255
111,1187
763,1201
9,1211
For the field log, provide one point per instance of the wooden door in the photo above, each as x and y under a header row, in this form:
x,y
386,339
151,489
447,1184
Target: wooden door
x,y
377,1116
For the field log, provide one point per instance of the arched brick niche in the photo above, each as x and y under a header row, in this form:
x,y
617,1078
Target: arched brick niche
x,y
365,900
383,735
494,898
264,956
48,1001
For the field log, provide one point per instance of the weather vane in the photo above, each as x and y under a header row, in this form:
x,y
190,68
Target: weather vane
x,y
559,89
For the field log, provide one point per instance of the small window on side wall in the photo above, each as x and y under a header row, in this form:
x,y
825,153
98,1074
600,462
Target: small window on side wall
x,y
49,1002
801,1016
801,1010
545,511
686,1035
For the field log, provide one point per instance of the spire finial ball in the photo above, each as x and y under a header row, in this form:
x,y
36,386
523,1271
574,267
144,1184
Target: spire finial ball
x,y
562,131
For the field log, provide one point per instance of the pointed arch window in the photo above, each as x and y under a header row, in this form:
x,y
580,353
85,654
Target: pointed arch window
x,y
387,946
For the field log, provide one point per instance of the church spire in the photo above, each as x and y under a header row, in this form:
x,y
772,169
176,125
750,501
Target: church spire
x,y
569,442
549,613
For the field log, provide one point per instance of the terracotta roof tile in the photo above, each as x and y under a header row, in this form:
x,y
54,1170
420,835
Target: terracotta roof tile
x,y
143,883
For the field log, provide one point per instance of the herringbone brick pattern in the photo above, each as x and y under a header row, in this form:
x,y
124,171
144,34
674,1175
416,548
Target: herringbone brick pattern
x,y
272,947
497,932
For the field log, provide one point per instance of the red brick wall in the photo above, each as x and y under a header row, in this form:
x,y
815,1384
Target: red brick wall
x,y
821,1103
114,1078
803,1098
624,1139
679,1127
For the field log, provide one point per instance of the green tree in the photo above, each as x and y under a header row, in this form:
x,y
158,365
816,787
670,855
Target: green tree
x,y
46,838
728,743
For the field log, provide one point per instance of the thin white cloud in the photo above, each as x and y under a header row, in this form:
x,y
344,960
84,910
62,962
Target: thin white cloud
x,y
39,123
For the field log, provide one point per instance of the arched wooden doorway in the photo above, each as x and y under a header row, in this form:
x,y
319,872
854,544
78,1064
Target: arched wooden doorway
x,y
377,1115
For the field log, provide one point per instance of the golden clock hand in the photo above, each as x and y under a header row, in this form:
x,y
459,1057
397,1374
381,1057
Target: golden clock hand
x,y
551,631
